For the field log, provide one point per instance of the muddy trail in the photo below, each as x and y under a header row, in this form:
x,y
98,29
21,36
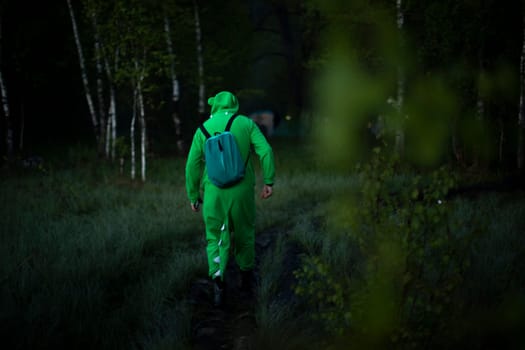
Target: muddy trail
x,y
233,324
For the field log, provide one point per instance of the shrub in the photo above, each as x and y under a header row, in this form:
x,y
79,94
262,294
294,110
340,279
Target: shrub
x,y
411,261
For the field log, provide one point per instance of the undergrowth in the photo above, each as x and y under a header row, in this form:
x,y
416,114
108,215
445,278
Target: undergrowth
x,y
397,263
382,257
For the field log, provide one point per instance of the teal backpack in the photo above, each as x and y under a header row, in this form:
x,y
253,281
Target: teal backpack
x,y
224,163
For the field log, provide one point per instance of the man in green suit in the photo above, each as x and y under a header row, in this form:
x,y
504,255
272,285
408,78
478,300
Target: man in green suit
x,y
232,209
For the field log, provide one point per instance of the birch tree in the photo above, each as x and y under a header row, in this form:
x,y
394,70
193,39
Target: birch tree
x,y
521,112
132,136
142,119
112,42
140,67
175,88
138,103
106,45
111,133
142,48
83,71
100,86
200,60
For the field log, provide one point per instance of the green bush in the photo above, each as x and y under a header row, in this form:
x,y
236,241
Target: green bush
x,y
410,261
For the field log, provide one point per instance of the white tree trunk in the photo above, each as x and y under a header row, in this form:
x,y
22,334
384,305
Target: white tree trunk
x,y
111,127
142,135
175,91
132,134
200,64
9,130
400,133
111,111
112,123
83,71
521,113
142,121
100,85
108,131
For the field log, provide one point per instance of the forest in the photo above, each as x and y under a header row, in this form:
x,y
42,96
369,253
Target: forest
x,y
398,213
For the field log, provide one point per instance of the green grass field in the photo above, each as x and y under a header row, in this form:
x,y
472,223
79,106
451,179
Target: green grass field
x,y
90,260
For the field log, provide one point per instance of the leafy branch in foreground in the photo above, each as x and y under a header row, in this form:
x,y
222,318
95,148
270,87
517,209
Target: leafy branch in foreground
x,y
410,259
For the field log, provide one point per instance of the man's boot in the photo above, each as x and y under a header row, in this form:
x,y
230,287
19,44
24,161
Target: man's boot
x,y
218,291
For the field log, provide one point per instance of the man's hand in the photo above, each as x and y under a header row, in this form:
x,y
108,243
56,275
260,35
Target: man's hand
x,y
195,206
266,192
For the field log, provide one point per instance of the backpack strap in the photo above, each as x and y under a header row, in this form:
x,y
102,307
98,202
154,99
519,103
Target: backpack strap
x,y
204,131
230,122
228,126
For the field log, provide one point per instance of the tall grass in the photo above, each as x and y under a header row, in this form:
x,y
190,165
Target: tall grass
x,y
90,261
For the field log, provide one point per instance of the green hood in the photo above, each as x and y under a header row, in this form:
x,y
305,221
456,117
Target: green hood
x,y
224,101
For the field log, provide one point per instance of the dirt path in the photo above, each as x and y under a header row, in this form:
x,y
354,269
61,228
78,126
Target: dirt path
x,y
232,325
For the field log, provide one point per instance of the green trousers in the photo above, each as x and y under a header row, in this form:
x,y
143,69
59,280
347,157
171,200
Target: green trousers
x,y
229,217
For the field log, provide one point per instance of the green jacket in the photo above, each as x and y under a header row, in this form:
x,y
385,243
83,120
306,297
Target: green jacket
x,y
247,135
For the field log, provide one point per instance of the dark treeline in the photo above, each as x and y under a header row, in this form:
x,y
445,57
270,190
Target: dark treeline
x,y
172,55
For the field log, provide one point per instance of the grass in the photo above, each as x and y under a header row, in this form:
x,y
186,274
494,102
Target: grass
x,y
89,259
498,255
90,263
490,298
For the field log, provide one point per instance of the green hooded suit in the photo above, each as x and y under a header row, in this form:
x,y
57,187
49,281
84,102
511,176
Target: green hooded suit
x,y
232,209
